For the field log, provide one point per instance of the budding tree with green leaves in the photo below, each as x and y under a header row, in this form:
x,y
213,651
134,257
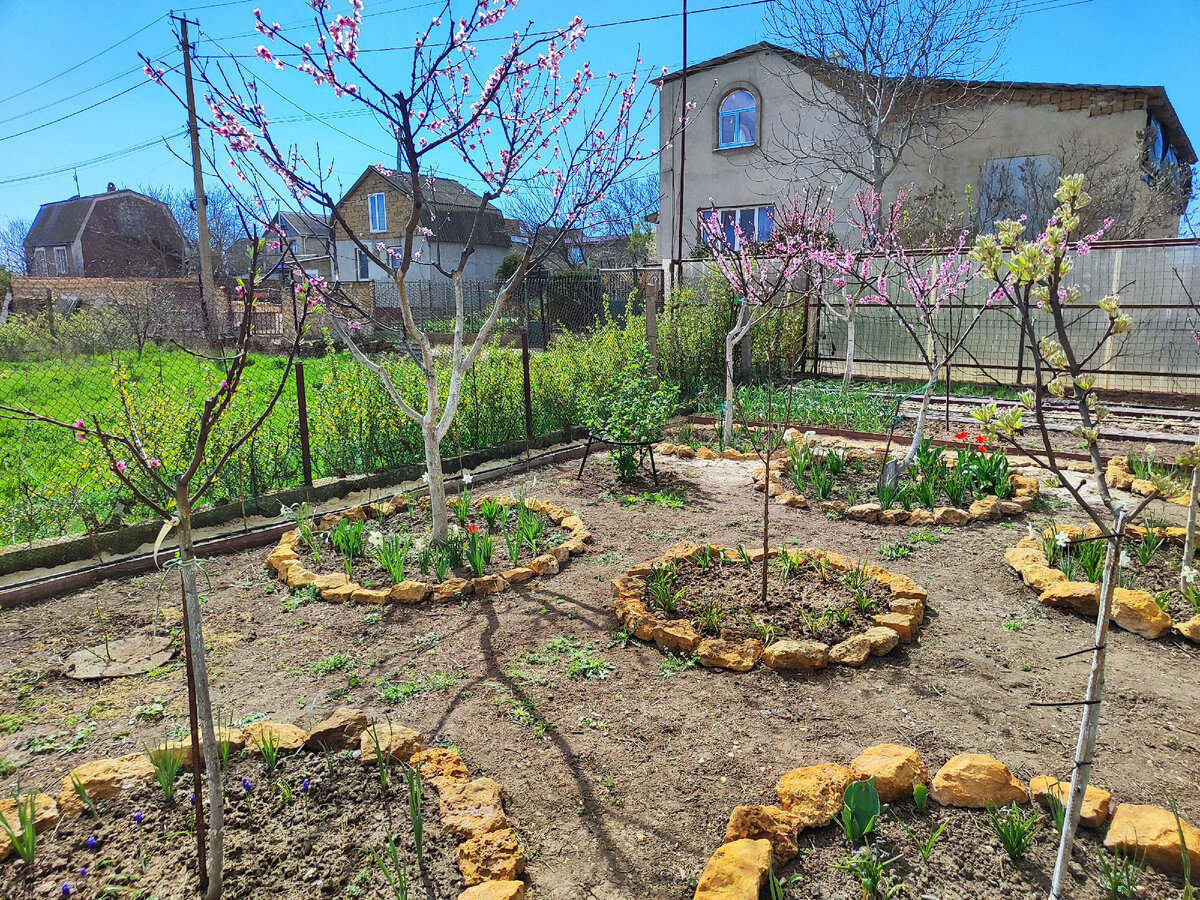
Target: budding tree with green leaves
x,y
1032,277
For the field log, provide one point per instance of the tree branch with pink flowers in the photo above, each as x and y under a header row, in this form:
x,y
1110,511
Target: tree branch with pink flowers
x,y
528,121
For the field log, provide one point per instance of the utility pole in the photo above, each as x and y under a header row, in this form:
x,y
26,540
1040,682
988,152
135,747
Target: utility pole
x,y
208,287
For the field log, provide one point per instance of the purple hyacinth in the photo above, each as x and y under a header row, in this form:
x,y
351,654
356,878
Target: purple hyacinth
x,y
83,872
304,786
192,798
138,817
66,890
92,843
247,785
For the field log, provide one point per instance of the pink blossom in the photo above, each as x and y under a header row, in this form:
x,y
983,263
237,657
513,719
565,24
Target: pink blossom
x,y
121,466
154,462
224,384
354,325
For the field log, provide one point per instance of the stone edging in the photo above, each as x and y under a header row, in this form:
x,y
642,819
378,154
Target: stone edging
x,y
898,626
337,588
471,809
1118,475
1132,610
987,509
759,837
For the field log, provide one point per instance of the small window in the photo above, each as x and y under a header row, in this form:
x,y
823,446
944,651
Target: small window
x,y
378,212
364,264
295,248
766,222
575,256
60,261
39,261
752,224
739,120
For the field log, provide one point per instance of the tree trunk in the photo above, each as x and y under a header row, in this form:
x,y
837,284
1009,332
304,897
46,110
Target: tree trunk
x,y
727,423
437,482
1090,726
892,473
848,376
195,649
1189,541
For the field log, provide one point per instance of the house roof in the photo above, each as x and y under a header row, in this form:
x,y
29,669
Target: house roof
x,y
60,223
1156,95
306,224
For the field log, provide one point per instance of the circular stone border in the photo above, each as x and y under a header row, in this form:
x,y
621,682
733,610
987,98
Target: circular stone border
x,y
900,625
336,587
759,837
489,851
1132,610
987,509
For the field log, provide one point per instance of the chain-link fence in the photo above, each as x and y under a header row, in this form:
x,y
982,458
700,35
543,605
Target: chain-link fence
x,y
134,358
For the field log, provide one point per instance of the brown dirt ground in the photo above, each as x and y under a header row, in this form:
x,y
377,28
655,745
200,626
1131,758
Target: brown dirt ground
x,y
629,795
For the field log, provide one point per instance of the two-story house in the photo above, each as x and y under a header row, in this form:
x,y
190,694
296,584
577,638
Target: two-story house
x,y
119,233
739,149
376,210
304,240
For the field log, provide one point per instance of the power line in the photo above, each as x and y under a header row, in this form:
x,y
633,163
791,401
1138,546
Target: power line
x,y
45,106
132,87
84,62
88,163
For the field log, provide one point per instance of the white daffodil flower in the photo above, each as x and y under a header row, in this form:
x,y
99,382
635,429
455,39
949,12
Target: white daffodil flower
x,y
1125,560
1188,574
1061,539
425,477
466,478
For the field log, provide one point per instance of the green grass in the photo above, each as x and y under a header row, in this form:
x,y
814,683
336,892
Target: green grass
x,y
405,691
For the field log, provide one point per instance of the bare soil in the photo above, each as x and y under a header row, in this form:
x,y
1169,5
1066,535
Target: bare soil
x,y
621,787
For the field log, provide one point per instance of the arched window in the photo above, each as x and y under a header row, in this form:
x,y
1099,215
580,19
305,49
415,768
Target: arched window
x,y
739,120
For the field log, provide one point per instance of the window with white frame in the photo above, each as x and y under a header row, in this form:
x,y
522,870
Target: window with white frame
x,y
752,224
60,261
377,212
364,264
39,261
738,125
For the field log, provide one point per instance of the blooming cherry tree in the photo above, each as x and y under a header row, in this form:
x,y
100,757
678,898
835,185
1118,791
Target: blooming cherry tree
x,y
762,275
525,122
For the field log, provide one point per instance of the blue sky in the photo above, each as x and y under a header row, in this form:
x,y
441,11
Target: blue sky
x,y
1093,41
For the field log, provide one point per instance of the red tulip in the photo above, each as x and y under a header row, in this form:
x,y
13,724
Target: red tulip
x,y
961,436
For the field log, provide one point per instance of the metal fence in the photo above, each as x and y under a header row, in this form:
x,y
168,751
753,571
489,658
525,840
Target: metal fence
x,y
1154,280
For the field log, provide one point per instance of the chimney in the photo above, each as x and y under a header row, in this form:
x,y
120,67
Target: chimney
x,y
112,188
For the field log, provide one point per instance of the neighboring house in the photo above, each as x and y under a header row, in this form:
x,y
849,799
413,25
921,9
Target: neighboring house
x,y
305,242
560,248
1021,137
376,210
119,233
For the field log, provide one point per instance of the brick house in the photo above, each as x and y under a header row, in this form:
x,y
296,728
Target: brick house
x,y
308,240
1022,136
377,207
118,234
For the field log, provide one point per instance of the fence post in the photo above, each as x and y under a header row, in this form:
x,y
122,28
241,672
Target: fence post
x,y
302,414
527,385
651,304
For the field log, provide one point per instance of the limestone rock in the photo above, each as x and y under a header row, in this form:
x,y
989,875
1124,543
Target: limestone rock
x,y
902,587
813,794
739,656
104,779
789,654
865,512
920,517
330,581
1014,507
948,515
677,636
1042,578
896,769
1189,629
451,589
545,564
632,613
488,584
1096,800
495,856
853,651
473,808
883,640
1022,558
440,766
341,731
765,823
1081,596
495,890
975,780
706,453
836,507
342,593
45,815
1136,611
299,576
409,592
286,737
518,575
1024,485
1143,487
985,509
736,871
684,452
915,609
904,626
377,596
1152,831
1118,474
894,517
395,742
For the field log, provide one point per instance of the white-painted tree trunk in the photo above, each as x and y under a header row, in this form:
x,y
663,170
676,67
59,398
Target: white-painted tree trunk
x,y
848,375
1090,726
1189,541
727,409
212,758
437,482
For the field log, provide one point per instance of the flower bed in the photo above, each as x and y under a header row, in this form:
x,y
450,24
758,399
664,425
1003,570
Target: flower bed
x,y
950,847
367,554
973,485
1064,564
304,814
701,602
